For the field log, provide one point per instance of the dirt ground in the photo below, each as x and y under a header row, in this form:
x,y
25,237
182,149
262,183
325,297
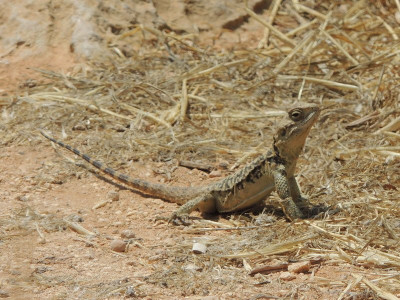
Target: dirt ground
x,y
60,223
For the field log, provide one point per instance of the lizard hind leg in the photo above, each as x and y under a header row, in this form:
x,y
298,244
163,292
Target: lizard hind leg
x,y
204,202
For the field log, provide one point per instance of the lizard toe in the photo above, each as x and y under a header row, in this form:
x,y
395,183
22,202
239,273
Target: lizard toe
x,y
181,219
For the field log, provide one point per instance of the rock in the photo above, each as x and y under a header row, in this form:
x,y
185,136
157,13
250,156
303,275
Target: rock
x,y
128,234
118,246
215,173
264,219
191,268
199,248
300,267
397,16
4,294
113,196
224,164
287,276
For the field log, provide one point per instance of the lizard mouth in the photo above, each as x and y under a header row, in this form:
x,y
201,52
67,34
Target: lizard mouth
x,y
314,115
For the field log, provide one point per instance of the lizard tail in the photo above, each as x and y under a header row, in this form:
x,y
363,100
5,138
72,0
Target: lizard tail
x,y
174,194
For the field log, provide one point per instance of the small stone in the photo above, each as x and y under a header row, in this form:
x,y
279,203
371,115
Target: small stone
x,y
128,234
215,173
79,127
224,164
118,246
23,198
397,16
4,294
287,276
130,292
113,196
191,268
343,8
264,219
76,218
300,267
199,248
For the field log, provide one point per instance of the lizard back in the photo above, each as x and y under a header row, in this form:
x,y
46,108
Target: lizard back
x,y
248,186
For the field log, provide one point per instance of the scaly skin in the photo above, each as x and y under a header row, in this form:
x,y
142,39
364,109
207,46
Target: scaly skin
x,y
271,171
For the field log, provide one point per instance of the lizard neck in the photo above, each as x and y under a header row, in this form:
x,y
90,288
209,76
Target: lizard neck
x,y
287,159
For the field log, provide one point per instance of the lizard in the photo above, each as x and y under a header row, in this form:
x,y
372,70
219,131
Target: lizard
x,y
271,171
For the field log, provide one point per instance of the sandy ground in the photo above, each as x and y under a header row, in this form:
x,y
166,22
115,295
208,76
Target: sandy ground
x,y
47,260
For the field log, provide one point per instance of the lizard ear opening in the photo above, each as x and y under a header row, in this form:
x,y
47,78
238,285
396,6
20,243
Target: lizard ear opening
x,y
282,132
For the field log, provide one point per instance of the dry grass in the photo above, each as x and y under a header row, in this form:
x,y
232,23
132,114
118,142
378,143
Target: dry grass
x,y
174,100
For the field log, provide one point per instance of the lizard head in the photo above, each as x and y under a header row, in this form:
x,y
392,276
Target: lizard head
x,y
290,138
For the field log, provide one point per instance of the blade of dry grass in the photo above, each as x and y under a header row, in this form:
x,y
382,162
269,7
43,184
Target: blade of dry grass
x,y
184,100
278,248
380,292
278,34
275,6
329,83
303,8
295,50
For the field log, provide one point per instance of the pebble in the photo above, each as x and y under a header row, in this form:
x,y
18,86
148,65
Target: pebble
x,y
215,173
300,267
113,196
128,234
224,164
76,218
264,219
287,276
23,198
199,248
118,246
191,268
4,294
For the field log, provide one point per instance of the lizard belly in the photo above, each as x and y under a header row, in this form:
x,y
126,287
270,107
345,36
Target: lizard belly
x,y
245,194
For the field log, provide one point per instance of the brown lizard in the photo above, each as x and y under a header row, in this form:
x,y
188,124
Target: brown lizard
x,y
271,171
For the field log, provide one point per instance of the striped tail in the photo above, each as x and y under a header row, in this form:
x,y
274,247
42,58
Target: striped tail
x,y
174,194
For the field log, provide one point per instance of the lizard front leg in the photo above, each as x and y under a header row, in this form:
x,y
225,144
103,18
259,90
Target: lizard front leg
x,y
295,192
282,186
205,203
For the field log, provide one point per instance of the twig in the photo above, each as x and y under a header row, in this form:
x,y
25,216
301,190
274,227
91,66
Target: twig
x,y
336,43
208,71
195,165
380,292
294,51
351,284
275,6
264,269
78,228
310,11
184,100
145,113
279,34
332,84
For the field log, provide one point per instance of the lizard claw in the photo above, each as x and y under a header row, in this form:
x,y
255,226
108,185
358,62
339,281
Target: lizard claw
x,y
303,202
176,219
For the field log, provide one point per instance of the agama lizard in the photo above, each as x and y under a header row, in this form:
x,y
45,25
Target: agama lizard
x,y
271,171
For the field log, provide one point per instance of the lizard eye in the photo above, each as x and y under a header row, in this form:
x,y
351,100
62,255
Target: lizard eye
x,y
295,115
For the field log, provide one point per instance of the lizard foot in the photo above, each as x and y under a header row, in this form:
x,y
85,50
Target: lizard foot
x,y
303,202
321,210
291,211
181,219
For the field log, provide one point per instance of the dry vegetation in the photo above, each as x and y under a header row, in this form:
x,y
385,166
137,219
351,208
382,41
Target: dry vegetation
x,y
172,101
